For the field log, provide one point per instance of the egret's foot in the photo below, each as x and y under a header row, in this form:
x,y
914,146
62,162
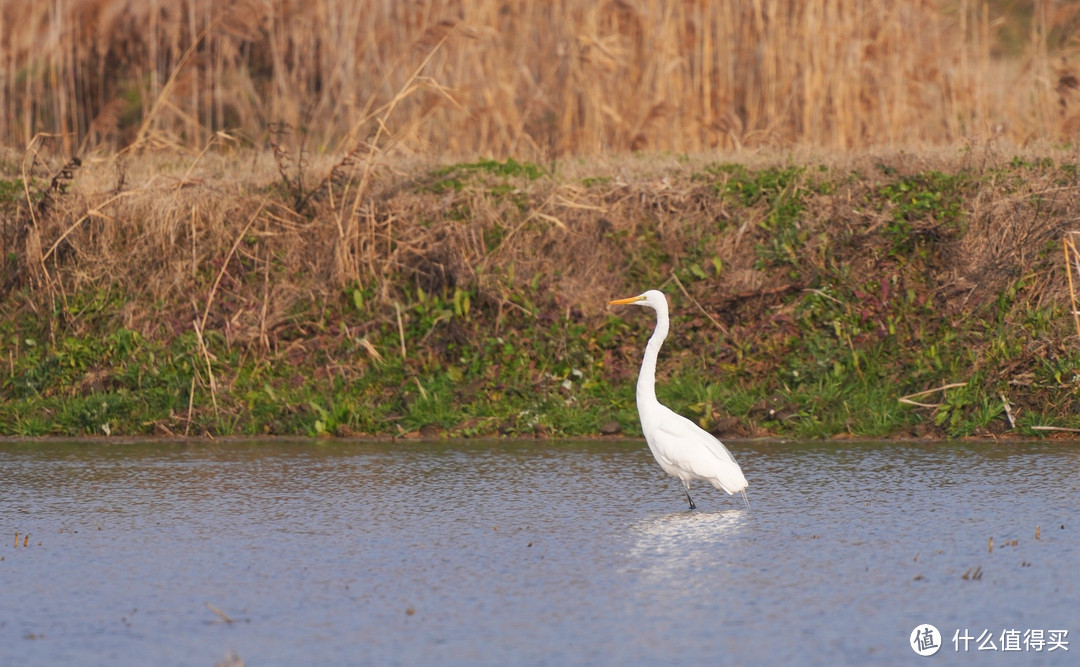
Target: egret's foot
x,y
692,505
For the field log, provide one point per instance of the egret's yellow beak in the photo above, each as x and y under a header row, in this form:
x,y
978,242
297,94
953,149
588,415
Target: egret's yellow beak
x,y
633,299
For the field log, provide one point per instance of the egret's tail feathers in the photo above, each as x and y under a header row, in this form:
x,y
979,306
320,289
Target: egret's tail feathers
x,y
730,486
744,499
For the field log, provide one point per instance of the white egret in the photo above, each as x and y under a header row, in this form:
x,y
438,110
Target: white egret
x,y
682,448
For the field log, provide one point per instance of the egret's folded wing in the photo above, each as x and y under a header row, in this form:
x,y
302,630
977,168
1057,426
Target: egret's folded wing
x,y
678,428
691,448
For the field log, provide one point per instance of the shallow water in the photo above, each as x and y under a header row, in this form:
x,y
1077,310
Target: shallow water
x,y
530,553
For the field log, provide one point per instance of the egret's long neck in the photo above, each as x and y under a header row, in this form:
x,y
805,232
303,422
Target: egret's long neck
x,y
646,384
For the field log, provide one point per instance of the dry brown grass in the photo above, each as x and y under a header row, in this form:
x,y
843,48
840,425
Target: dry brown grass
x,y
209,242
537,79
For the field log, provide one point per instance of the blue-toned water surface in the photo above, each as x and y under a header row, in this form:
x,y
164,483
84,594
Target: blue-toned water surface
x,y
538,552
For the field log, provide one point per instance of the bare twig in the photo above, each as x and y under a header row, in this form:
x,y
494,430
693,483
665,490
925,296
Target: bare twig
x,y
1055,428
200,324
225,263
907,399
1008,411
94,212
209,369
821,293
401,329
370,349
704,312
222,615
170,83
346,219
264,339
190,405
1071,255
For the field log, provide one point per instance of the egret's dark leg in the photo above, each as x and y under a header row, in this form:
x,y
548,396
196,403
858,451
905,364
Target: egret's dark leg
x,y
687,485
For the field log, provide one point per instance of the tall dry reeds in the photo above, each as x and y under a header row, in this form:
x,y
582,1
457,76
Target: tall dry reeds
x,y
536,78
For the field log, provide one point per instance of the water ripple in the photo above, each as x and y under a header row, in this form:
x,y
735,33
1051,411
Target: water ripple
x,y
536,552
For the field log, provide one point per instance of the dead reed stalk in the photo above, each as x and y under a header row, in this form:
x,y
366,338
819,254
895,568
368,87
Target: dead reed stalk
x,y
536,79
1072,266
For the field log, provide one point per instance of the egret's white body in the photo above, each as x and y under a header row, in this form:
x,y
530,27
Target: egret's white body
x,y
682,448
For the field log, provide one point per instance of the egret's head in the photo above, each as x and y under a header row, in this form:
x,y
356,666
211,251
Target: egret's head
x,y
654,299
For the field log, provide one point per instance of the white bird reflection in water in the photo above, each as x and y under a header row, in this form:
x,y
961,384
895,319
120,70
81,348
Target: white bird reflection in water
x,y
669,547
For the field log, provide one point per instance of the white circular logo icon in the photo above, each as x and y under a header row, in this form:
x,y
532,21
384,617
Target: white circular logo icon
x,y
925,639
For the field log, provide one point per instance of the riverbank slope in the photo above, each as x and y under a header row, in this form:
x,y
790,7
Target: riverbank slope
x,y
239,292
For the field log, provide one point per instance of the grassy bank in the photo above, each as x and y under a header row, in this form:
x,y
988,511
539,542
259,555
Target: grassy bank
x,y
247,293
